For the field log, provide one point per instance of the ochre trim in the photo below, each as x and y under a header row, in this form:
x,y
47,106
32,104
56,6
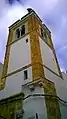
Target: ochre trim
x,y
58,67
24,19
16,71
52,103
37,70
6,60
51,70
37,81
27,66
12,98
20,22
49,45
14,41
11,105
32,30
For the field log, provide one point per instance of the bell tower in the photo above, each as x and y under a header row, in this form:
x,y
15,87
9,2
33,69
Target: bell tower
x,y
30,66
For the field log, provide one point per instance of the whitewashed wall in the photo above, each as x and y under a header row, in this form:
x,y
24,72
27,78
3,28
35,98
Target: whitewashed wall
x,y
61,89
60,84
48,56
14,83
19,54
62,105
33,105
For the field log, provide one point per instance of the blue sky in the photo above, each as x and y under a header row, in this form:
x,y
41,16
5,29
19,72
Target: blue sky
x,y
52,12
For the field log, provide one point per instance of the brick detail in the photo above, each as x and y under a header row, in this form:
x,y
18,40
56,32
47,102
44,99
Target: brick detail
x,y
52,103
11,105
37,70
6,60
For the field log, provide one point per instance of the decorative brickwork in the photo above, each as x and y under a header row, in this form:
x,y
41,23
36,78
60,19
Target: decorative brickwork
x,y
37,70
9,106
38,75
6,60
52,104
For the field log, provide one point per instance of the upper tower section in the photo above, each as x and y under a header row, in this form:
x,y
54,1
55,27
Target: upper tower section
x,y
40,50
23,41
20,27
29,45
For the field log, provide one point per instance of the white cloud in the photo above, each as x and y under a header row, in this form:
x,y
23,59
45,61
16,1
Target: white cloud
x,y
12,14
53,12
42,7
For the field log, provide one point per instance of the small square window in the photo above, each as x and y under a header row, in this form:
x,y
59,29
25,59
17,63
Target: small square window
x,y
26,40
25,75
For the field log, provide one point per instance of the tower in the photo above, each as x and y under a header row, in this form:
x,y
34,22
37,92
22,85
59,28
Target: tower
x,y
31,67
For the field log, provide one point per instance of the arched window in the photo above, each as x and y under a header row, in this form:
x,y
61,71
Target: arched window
x,y
22,30
18,33
41,32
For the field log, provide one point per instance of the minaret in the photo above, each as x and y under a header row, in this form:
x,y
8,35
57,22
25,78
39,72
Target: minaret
x,y
30,66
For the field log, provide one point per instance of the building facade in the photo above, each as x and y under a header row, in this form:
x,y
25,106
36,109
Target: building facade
x,y
31,69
